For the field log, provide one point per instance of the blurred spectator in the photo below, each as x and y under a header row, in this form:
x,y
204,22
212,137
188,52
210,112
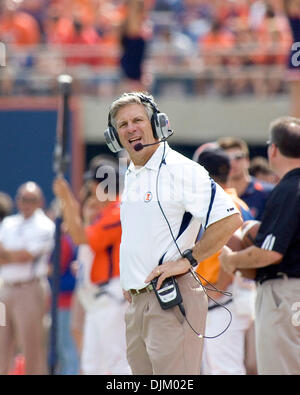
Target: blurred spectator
x,y
72,31
68,360
17,27
195,17
215,47
108,23
6,205
275,257
135,32
272,20
216,43
90,208
109,18
240,80
86,291
272,36
254,192
84,38
172,52
225,354
225,10
257,10
19,31
57,27
259,168
104,345
26,242
37,9
77,320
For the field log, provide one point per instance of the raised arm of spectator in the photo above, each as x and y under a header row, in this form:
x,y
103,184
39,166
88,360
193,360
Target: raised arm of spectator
x,y
70,210
134,17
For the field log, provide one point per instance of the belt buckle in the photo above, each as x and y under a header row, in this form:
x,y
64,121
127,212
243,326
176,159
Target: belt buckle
x,y
149,288
132,293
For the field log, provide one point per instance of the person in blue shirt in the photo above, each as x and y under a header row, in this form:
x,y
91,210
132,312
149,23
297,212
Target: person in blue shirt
x,y
252,191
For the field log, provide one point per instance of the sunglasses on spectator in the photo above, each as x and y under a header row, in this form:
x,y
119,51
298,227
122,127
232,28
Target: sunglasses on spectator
x,y
237,156
25,199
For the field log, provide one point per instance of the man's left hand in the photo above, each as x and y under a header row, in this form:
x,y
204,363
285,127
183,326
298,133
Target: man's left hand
x,y
226,261
168,269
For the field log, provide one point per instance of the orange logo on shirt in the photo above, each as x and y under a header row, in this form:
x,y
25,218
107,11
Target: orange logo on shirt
x,y
148,197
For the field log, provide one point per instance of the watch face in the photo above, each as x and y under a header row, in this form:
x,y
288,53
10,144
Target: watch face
x,y
189,255
187,252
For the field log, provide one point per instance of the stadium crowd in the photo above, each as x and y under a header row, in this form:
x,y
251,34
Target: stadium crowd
x,y
230,47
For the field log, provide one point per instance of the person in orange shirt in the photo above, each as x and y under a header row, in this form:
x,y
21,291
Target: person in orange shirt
x,y
104,345
226,353
216,49
18,27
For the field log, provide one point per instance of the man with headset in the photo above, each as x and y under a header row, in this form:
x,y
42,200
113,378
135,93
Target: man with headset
x,y
167,198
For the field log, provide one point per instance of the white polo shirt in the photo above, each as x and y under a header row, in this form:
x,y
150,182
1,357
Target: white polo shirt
x,y
186,194
34,234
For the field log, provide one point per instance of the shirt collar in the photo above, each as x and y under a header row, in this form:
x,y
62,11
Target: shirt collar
x,y
154,162
37,212
291,173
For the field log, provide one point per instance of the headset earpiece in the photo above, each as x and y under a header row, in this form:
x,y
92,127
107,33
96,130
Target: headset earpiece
x,y
161,129
111,138
159,120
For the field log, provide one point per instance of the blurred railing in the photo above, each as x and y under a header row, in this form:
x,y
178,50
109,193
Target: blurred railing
x,y
249,69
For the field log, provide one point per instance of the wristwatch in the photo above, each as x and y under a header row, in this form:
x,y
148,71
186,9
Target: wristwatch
x,y
188,254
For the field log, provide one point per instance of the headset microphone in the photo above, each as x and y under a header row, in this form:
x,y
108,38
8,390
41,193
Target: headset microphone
x,y
140,146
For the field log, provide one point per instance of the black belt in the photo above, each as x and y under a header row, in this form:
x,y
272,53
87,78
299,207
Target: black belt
x,y
219,304
276,276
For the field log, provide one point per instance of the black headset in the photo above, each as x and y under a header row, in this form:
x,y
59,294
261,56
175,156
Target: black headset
x,y
159,124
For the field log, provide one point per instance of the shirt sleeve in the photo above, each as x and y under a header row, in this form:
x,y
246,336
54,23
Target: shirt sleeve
x,y
279,225
205,199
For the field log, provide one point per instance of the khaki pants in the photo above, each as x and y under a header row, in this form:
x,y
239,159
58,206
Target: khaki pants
x,y
277,327
25,306
160,341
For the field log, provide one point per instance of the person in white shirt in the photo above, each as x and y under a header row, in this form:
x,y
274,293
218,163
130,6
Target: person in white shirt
x,y
26,241
167,199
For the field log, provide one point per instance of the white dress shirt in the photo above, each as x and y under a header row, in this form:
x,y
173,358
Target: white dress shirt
x,y
34,234
185,192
